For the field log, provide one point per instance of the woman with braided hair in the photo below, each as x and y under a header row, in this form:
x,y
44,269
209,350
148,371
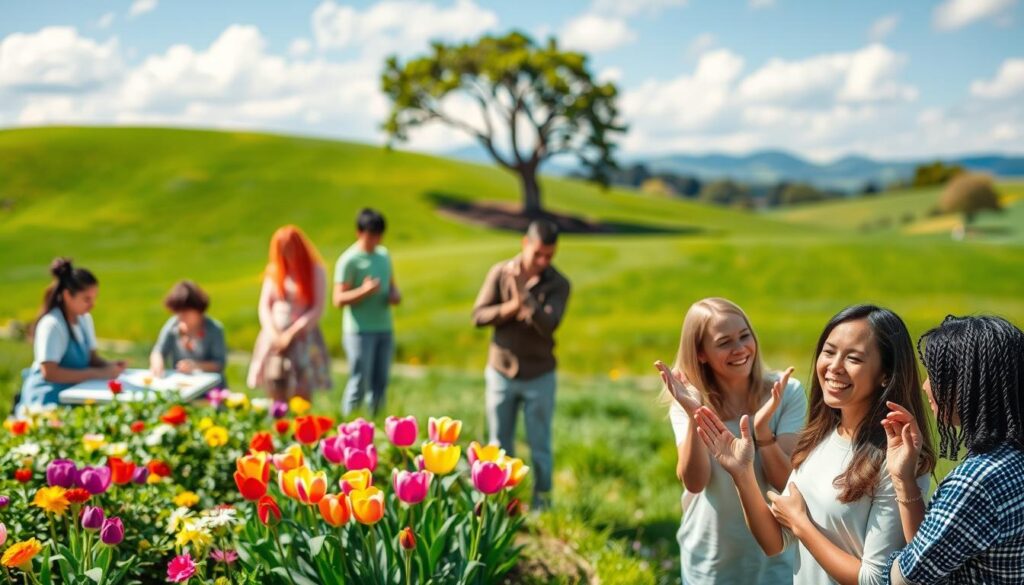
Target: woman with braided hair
x,y
973,531
64,339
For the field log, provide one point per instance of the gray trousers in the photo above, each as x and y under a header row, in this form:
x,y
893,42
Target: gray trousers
x,y
369,364
504,397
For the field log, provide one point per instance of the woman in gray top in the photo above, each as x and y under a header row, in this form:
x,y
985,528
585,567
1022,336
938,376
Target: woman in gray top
x,y
189,341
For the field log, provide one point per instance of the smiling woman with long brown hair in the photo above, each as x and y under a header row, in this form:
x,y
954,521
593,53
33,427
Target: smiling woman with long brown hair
x,y
840,505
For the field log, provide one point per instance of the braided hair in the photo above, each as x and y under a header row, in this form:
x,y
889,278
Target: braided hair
x,y
65,278
975,367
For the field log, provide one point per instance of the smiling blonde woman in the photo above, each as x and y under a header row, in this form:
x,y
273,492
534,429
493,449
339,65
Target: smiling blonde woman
x,y
719,366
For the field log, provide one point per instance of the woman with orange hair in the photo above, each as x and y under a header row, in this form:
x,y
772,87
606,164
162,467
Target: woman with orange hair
x,y
290,355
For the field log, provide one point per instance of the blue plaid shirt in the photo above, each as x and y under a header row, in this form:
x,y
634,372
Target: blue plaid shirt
x,y
973,531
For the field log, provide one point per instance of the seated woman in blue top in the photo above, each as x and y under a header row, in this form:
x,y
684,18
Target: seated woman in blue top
x,y
64,339
973,531
189,341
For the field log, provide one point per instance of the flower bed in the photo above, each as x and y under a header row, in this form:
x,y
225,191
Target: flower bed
x,y
248,491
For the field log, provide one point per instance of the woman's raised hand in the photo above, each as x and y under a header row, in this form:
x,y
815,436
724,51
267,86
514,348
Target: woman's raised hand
x,y
679,387
904,443
734,455
764,414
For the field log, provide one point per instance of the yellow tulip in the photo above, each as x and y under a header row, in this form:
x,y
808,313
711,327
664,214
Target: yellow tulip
x,y
440,458
367,505
299,405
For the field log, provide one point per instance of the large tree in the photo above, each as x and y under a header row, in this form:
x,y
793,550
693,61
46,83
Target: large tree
x,y
527,104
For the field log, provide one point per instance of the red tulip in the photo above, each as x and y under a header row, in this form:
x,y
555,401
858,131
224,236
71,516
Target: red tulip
x,y
120,470
114,386
262,441
175,415
309,429
268,511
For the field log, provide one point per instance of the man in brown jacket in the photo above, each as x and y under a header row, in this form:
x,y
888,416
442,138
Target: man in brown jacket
x,y
524,299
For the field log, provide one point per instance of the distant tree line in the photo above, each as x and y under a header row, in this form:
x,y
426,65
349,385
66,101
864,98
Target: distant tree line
x,y
733,193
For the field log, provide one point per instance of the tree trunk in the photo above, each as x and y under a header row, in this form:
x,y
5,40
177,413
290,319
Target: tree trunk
x,y
531,191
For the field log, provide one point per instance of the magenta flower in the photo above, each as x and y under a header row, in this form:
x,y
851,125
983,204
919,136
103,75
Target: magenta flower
x,y
402,432
361,458
92,518
4,501
112,532
61,472
333,448
95,480
489,477
226,557
411,487
181,568
217,396
279,409
140,475
358,432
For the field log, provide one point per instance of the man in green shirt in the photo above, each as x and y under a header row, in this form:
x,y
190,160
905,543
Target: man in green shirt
x,y
364,288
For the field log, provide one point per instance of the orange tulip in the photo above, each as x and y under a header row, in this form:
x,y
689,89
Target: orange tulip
x,y
291,458
444,429
518,470
252,475
367,505
303,484
336,509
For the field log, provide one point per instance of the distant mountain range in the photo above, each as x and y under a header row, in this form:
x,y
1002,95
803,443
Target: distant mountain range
x,y
849,173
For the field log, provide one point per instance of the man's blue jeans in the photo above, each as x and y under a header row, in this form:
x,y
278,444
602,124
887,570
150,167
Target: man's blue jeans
x,y
369,365
504,397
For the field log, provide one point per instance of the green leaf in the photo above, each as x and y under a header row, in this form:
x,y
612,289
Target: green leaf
x,y
316,544
95,574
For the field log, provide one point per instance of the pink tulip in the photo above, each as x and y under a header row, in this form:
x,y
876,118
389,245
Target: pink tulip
x,y
359,433
411,487
333,448
489,477
361,458
402,432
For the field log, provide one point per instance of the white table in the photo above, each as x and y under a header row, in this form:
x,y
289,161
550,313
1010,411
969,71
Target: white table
x,y
140,385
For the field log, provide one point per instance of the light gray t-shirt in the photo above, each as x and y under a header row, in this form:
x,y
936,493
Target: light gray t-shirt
x,y
869,528
211,347
51,336
715,544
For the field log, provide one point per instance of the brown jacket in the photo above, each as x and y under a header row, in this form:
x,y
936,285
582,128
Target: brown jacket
x,y
522,347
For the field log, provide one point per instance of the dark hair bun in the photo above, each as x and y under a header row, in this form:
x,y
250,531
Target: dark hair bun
x,y
61,268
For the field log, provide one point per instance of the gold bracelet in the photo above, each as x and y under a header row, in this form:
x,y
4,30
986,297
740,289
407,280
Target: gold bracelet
x,y
909,500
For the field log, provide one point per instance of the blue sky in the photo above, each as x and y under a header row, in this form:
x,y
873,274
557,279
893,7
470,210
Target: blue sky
x,y
822,79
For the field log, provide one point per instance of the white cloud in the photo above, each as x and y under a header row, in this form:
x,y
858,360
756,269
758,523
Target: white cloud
x,y
106,20
954,14
591,33
395,25
56,59
883,27
610,74
300,47
634,7
869,74
140,7
821,106
701,44
759,4
1008,82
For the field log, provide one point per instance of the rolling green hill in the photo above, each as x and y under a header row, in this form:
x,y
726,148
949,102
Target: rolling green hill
x,y
143,208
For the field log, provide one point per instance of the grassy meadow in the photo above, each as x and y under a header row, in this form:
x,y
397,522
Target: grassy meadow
x,y
143,208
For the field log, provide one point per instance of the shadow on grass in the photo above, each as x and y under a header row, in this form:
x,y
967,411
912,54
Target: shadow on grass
x,y
507,217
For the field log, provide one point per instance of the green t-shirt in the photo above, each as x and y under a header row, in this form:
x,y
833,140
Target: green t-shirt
x,y
373,313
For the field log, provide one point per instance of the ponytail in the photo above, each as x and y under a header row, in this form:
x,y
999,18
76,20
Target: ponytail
x,y
65,278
